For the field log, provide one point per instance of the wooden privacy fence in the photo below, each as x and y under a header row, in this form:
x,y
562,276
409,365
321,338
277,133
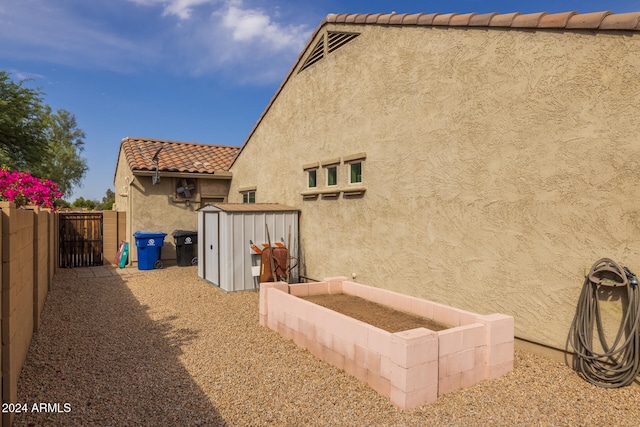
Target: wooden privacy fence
x,y
29,251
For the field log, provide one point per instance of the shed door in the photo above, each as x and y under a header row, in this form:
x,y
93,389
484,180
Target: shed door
x,y
211,248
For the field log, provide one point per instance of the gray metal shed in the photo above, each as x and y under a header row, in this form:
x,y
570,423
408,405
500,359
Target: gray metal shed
x,y
225,230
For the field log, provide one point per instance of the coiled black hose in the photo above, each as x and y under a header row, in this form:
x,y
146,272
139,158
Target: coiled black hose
x,y
618,364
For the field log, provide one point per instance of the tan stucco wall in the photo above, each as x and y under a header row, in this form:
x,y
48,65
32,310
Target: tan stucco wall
x,y
499,165
152,207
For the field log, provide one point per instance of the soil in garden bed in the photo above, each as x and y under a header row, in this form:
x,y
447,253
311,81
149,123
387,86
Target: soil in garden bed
x,y
374,314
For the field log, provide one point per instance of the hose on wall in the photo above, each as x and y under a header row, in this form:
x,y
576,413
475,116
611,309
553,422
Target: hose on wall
x,y
618,363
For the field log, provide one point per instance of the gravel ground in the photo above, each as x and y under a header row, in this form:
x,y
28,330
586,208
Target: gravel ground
x,y
164,348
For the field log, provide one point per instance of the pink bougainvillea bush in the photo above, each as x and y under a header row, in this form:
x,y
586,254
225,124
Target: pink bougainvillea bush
x,y
24,189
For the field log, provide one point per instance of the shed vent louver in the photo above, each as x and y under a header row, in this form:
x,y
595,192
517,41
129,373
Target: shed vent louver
x,y
337,40
334,41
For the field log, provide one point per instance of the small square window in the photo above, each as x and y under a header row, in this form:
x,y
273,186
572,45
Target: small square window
x,y
332,176
355,175
312,178
249,197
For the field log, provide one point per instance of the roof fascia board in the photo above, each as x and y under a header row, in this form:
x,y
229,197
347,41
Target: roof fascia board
x,y
216,175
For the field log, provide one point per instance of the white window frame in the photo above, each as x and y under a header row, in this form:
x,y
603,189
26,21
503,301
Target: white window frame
x,y
246,196
351,165
315,178
328,175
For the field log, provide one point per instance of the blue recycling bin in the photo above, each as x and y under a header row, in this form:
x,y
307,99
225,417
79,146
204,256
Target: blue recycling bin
x,y
149,247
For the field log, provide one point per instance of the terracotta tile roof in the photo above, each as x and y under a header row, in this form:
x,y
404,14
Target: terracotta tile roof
x,y
177,156
605,20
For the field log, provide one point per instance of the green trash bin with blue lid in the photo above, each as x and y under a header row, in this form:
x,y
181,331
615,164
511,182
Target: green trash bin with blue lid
x,y
149,249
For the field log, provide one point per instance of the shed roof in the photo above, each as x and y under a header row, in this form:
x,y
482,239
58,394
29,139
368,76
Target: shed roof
x,y
564,21
176,156
251,207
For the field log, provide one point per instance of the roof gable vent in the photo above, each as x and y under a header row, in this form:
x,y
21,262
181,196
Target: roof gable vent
x,y
316,55
337,40
334,40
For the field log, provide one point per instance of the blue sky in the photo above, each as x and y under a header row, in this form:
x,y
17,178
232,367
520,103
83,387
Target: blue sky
x,y
186,70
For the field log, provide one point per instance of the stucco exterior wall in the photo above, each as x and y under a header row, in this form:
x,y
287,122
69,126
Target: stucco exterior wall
x,y
499,165
152,207
121,181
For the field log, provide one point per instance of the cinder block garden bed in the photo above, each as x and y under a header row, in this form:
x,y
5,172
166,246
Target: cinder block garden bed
x,y
427,350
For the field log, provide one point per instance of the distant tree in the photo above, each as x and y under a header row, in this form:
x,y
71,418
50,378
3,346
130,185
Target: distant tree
x,y
108,200
23,139
34,139
61,203
63,163
81,202
93,205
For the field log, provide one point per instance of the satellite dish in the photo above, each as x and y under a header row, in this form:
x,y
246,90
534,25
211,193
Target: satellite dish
x,y
156,178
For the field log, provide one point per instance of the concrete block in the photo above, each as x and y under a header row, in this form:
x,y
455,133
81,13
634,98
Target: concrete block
x,y
299,289
335,285
380,384
385,367
414,347
356,370
421,307
473,376
473,335
291,320
446,315
344,347
324,337
450,341
379,341
373,362
449,383
464,360
333,357
315,348
500,328
500,353
308,329
410,379
318,288
300,339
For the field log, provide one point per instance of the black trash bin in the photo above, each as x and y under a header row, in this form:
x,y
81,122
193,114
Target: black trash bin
x,y
186,244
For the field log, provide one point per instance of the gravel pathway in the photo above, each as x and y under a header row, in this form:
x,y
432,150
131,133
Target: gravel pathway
x,y
164,348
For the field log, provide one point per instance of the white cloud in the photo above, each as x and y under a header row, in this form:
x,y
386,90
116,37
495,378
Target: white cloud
x,y
245,43
254,25
183,9
198,37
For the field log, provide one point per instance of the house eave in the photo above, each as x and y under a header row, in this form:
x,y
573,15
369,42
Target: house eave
x,y
215,175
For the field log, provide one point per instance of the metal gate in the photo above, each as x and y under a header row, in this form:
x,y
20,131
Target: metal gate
x,y
80,239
